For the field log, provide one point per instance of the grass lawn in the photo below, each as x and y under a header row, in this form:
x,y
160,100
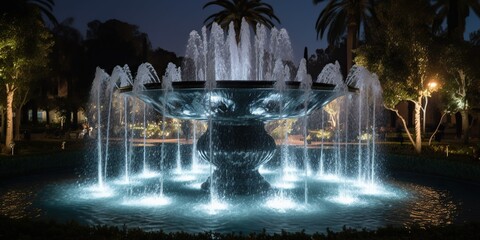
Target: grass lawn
x,y
34,157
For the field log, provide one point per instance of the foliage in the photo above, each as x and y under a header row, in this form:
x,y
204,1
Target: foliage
x,y
12,9
64,91
455,12
463,150
113,43
338,14
316,62
30,229
24,47
401,53
459,72
319,135
345,15
278,129
160,59
333,110
74,60
475,38
253,11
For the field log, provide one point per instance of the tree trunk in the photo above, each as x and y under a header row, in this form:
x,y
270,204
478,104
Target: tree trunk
x,y
436,129
404,123
9,132
68,120
455,23
47,117
2,126
465,126
74,119
18,112
418,124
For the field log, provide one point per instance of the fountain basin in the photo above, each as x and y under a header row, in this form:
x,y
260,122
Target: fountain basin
x,y
237,102
237,143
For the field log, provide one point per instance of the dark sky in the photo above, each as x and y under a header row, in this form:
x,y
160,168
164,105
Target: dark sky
x,y
169,22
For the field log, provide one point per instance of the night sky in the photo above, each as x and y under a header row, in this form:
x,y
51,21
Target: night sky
x,y
169,22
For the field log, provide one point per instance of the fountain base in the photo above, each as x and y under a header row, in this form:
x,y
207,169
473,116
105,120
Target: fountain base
x,y
246,182
236,151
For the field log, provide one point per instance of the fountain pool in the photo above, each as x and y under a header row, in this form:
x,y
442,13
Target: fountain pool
x,y
292,153
402,200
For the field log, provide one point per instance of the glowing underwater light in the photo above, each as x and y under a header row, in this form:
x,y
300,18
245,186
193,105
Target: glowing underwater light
x,y
96,191
284,185
148,174
329,177
345,197
196,186
124,182
214,206
148,201
374,189
178,171
281,203
184,178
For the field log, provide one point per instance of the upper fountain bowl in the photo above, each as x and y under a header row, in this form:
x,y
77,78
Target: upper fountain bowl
x,y
238,102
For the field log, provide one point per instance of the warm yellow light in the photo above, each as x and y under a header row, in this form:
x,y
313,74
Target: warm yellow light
x,y
432,85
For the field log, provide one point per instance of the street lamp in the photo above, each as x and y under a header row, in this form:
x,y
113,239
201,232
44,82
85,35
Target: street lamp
x,y
432,86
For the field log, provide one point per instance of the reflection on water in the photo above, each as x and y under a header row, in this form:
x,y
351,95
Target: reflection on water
x,y
430,206
17,203
404,203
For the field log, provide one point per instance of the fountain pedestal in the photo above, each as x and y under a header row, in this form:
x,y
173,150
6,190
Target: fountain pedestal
x,y
237,111
236,151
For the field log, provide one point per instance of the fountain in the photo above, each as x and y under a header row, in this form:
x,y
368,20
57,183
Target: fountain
x,y
273,148
236,107
246,169
232,92
228,85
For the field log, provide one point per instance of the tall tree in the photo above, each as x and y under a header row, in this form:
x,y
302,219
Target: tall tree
x,y
455,12
401,54
17,8
459,69
160,58
340,16
25,43
67,64
254,12
475,38
114,42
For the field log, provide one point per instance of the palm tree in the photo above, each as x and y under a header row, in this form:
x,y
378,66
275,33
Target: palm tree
x,y
344,15
253,11
19,8
456,13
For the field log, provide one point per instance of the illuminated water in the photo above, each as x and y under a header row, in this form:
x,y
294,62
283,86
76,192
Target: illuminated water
x,y
154,182
402,200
